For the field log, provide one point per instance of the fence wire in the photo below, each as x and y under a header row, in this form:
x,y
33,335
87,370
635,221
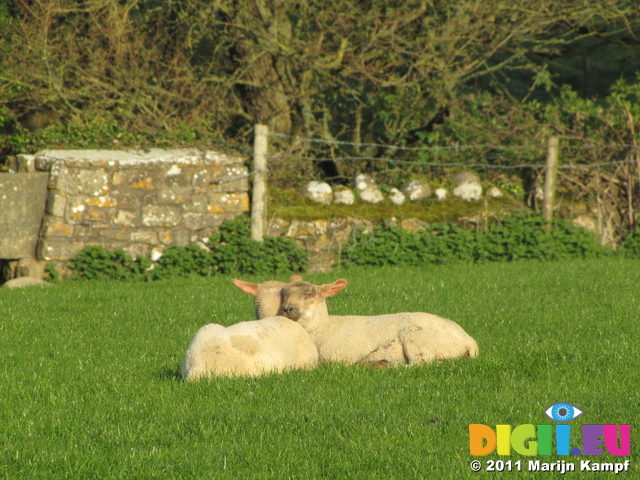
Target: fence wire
x,y
540,148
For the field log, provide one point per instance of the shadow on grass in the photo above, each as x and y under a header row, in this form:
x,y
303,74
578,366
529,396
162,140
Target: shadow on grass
x,y
171,374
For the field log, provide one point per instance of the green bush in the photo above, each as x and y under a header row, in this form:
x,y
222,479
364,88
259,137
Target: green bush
x,y
191,260
520,236
96,262
630,246
231,250
517,237
235,251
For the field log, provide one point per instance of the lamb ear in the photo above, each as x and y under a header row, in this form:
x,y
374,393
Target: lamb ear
x,y
295,278
330,289
246,287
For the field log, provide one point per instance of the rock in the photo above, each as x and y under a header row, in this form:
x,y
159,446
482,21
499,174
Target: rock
x,y
441,193
24,282
416,190
320,192
368,190
494,192
396,196
413,224
468,191
344,195
467,186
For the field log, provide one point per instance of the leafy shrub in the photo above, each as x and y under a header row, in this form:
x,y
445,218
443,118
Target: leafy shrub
x,y
630,247
520,236
232,250
96,262
235,251
184,262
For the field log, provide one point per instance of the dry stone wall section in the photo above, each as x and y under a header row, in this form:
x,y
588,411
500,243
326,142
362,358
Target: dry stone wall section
x,y
139,201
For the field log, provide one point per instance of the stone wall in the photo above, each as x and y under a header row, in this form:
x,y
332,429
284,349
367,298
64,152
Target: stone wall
x,y
140,201
325,240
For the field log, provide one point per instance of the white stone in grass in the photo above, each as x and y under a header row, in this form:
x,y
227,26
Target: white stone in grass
x,y
396,196
320,192
494,192
368,190
344,196
468,191
156,253
416,190
441,193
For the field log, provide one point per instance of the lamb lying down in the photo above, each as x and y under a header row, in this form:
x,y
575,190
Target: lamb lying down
x,y
396,338
249,349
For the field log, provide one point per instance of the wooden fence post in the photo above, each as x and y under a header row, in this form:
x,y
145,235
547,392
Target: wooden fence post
x,y
259,191
550,175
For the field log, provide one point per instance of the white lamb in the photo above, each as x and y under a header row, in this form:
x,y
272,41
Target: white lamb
x,y
249,349
395,338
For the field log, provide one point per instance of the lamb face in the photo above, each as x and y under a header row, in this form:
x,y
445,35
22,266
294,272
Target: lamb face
x,y
298,299
266,295
303,301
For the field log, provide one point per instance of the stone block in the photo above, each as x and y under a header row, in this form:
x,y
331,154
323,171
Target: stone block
x,y
145,236
166,237
56,171
101,202
145,183
56,203
202,179
228,202
161,216
93,182
56,227
174,194
198,221
112,233
127,218
127,201
25,163
413,224
180,177
75,181
79,210
22,205
137,250
59,249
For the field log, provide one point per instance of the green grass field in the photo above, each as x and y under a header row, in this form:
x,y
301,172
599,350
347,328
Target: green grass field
x,y
89,385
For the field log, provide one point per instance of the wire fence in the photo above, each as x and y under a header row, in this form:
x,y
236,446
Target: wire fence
x,y
452,148
603,173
